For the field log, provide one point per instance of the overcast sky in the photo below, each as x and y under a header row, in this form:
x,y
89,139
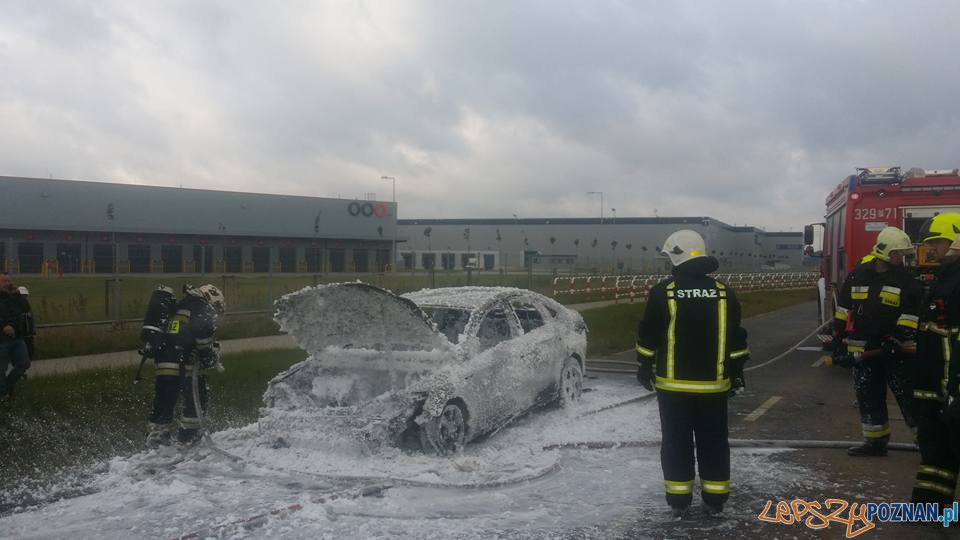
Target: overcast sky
x,y
749,112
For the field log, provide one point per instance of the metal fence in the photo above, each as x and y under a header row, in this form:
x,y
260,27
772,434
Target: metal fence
x,y
632,287
138,320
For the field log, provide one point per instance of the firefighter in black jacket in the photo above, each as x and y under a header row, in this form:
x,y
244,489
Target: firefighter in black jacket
x,y
878,312
692,349
15,328
187,347
936,395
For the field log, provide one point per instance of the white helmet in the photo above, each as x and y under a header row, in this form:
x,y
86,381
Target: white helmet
x,y
889,240
212,295
684,245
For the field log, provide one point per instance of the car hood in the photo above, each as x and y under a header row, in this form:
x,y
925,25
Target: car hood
x,y
356,316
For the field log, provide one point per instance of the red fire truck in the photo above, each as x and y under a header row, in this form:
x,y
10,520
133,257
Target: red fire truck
x,y
866,202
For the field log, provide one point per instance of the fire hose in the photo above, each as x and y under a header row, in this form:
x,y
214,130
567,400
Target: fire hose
x,y
751,368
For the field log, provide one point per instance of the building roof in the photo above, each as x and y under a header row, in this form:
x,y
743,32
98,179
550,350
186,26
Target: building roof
x,y
683,220
561,221
73,205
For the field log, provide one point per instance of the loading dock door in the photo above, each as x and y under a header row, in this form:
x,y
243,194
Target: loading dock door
x,y
68,255
313,259
172,258
360,260
139,256
488,262
288,259
337,260
261,259
233,259
199,254
383,259
103,258
30,255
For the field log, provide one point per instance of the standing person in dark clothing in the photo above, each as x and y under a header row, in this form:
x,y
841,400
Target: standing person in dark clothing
x,y
692,350
15,327
878,312
186,349
936,373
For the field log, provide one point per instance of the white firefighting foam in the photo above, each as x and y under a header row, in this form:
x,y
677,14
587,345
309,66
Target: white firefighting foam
x,y
304,462
590,489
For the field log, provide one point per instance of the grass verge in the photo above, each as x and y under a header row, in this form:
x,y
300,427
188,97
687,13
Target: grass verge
x,y
96,339
613,329
58,424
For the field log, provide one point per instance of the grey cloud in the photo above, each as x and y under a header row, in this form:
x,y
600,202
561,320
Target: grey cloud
x,y
746,111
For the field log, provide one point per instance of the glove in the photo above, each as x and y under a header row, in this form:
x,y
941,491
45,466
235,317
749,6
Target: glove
x,y
842,359
645,374
737,381
737,386
210,357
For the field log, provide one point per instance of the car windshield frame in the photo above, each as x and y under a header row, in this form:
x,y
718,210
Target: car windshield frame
x,y
452,323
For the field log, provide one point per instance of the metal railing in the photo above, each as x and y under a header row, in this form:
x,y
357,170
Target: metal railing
x,y
122,322
632,287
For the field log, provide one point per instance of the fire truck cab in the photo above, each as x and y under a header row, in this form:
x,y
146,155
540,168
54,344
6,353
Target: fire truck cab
x,y
866,202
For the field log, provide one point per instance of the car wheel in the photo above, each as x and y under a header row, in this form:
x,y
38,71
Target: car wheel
x,y
447,433
571,382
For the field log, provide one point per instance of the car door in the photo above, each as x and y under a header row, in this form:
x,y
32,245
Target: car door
x,y
538,347
498,384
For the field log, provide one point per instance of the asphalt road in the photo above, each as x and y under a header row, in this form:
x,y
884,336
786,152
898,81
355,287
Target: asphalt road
x,y
798,398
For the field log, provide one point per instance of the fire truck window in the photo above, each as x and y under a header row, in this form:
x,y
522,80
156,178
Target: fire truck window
x,y
912,227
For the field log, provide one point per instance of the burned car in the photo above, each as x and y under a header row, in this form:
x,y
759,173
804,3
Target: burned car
x,y
430,370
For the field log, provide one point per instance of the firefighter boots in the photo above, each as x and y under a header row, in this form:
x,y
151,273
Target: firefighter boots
x,y
869,449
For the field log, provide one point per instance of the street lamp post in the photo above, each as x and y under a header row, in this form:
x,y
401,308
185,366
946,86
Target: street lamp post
x,y
115,308
600,193
395,254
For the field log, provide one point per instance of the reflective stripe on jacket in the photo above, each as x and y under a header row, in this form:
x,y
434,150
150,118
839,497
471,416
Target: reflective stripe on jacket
x,y
691,327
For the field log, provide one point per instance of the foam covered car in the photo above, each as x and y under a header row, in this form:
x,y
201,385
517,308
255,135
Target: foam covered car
x,y
430,370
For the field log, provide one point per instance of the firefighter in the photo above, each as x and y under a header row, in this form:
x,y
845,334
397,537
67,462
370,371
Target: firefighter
x,y
877,312
935,391
187,347
16,327
691,348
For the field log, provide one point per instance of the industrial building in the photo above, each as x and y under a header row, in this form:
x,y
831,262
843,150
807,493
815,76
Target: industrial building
x,y
68,226
587,244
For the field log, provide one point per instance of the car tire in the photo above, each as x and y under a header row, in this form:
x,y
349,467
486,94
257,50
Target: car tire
x,y
447,433
571,382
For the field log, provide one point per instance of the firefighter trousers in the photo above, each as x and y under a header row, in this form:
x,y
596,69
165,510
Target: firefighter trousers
x,y
12,352
683,419
871,377
167,390
939,439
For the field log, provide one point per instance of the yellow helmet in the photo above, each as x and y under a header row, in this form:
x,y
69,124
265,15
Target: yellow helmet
x,y
889,240
946,226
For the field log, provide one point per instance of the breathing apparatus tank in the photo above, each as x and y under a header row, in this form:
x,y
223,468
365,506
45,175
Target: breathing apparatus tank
x,y
159,310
